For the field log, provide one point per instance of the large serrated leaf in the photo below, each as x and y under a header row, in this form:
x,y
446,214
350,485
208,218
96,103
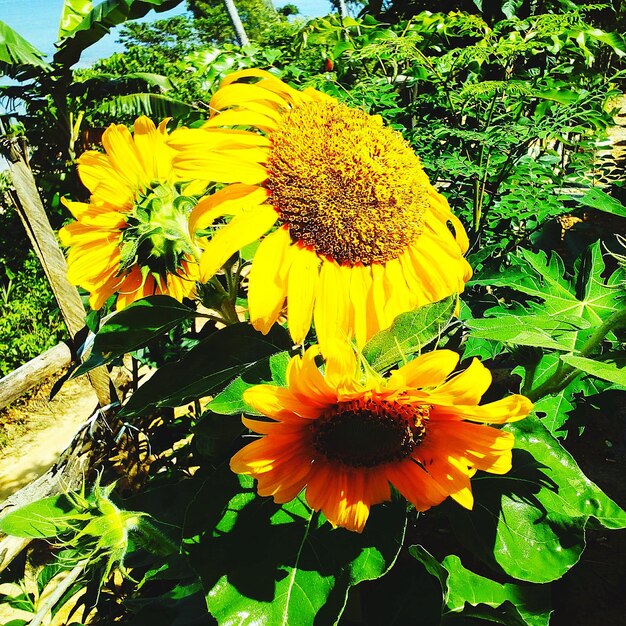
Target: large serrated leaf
x,y
531,522
409,333
134,327
207,367
542,331
598,199
479,597
587,297
554,409
266,564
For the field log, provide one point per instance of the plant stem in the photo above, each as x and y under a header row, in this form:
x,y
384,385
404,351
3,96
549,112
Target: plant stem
x,y
566,373
58,593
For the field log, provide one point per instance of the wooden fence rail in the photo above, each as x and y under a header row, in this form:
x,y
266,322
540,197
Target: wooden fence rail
x,y
29,375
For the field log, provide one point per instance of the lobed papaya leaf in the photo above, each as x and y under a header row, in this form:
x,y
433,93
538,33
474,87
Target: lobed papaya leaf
x,y
598,199
582,302
613,372
531,522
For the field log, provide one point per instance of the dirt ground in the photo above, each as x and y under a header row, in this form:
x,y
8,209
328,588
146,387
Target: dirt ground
x,y
39,429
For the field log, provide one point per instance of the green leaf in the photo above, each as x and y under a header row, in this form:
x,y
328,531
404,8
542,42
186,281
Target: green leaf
x,y
44,518
98,22
612,372
554,409
271,564
476,596
582,303
530,523
270,371
73,13
150,104
409,333
542,331
614,40
134,327
207,367
562,96
598,199
18,58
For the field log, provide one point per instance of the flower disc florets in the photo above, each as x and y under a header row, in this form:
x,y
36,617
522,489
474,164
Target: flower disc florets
x,y
345,184
368,432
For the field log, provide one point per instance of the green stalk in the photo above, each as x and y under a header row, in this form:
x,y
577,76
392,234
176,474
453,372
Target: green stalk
x,y
566,373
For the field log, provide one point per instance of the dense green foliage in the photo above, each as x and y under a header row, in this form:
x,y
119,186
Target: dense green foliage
x,y
30,321
508,111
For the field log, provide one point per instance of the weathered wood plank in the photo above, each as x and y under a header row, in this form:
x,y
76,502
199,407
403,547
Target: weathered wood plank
x,y
24,378
33,215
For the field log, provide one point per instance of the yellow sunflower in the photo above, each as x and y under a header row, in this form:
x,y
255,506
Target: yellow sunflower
x,y
133,236
346,436
355,233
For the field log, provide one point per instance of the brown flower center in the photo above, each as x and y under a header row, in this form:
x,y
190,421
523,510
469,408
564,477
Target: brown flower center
x,y
369,432
346,185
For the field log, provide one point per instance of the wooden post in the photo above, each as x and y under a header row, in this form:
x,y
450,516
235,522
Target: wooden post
x,y
44,242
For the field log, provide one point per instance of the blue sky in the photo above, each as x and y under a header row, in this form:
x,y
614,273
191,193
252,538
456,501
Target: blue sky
x,y
38,22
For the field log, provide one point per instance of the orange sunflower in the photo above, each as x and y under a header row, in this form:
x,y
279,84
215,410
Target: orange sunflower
x,y
132,238
346,435
353,232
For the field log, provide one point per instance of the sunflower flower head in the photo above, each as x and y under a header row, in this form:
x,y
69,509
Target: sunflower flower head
x,y
132,238
346,436
353,233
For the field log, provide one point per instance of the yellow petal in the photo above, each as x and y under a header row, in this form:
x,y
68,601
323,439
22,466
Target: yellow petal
x,y
218,167
379,297
75,208
215,139
428,370
156,156
228,201
239,232
266,288
360,287
510,409
466,388
123,155
302,288
279,403
234,117
331,307
237,94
